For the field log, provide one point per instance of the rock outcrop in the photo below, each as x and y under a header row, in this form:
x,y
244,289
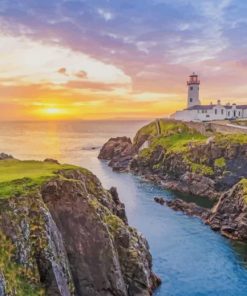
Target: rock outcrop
x,y
177,157
119,151
228,216
71,237
180,158
190,209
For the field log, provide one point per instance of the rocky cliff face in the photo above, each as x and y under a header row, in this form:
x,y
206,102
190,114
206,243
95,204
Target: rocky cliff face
x,y
228,216
182,159
119,152
68,237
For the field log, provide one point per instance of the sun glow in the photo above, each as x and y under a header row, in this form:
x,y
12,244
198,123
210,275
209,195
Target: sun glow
x,y
52,111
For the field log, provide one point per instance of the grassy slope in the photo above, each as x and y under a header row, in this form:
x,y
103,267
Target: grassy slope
x,y
18,177
177,137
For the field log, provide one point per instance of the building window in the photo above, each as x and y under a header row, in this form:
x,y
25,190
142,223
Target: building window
x,y
191,100
239,113
215,111
228,113
191,88
222,111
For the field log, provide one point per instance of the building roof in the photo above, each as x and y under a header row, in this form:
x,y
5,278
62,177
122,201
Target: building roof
x,y
201,107
241,106
211,106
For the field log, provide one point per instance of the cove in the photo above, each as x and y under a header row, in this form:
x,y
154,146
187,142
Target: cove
x,y
191,259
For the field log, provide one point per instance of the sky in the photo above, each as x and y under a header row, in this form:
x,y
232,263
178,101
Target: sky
x,y
107,59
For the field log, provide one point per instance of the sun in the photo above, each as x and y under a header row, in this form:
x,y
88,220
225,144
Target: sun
x,y
53,111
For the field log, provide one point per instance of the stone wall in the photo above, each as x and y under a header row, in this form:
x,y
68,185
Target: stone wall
x,y
206,128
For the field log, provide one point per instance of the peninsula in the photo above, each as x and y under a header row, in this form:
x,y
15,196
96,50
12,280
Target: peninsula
x,y
193,160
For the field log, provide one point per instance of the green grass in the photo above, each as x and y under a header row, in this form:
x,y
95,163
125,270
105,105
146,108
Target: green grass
x,y
201,169
225,140
175,136
17,281
167,127
178,142
220,162
19,177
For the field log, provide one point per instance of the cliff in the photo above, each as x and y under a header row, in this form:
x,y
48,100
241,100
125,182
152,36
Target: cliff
x,y
229,215
63,234
178,157
175,156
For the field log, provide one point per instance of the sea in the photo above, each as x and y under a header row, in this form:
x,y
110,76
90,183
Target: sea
x,y
190,258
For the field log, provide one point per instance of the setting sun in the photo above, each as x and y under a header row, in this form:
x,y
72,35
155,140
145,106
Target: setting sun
x,y
52,111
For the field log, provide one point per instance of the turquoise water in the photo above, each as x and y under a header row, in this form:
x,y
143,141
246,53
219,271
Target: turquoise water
x,y
191,259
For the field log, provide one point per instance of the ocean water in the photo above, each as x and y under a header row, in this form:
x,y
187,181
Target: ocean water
x,y
191,259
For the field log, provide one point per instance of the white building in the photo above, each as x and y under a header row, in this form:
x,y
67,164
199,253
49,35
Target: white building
x,y
197,112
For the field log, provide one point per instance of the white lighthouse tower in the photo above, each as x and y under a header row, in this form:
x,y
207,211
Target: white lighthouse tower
x,y
193,91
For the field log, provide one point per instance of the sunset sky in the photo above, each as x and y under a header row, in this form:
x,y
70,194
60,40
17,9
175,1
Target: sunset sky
x,y
100,59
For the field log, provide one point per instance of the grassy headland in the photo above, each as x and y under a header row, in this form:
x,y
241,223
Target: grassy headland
x,y
21,177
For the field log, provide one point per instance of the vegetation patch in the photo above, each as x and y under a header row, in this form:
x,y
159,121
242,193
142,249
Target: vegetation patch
x,y
243,182
22,177
201,169
220,163
14,275
145,153
114,223
179,142
174,137
226,140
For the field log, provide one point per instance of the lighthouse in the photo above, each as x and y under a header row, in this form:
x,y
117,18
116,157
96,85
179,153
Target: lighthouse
x,y
193,91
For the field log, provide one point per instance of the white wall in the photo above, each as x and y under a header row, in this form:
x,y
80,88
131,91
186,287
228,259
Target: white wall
x,y
218,112
193,93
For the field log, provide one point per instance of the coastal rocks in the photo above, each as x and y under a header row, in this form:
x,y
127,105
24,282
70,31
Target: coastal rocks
x,y
190,209
229,216
119,151
4,156
198,185
180,158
